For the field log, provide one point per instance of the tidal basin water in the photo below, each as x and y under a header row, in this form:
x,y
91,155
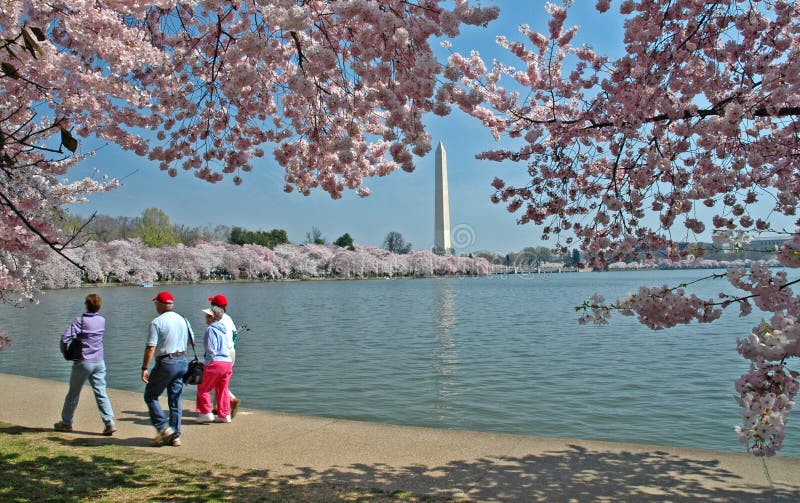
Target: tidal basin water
x,y
499,354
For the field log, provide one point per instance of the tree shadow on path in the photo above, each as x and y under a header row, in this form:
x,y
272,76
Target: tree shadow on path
x,y
576,474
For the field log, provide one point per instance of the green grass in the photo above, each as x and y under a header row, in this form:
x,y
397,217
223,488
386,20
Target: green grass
x,y
42,465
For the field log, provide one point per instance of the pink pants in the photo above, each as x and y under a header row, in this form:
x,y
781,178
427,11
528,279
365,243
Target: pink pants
x,y
217,375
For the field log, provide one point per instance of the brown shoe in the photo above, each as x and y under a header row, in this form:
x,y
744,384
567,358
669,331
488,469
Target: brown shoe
x,y
234,404
109,429
60,426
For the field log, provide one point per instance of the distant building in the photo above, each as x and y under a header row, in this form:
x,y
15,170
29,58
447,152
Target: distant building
x,y
756,244
771,243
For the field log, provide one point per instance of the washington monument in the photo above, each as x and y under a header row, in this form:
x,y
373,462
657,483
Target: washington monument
x,y
441,225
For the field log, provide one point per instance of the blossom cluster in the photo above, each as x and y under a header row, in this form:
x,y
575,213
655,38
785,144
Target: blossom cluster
x,y
766,393
338,88
772,341
656,308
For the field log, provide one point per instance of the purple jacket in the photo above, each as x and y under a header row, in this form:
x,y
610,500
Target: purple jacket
x,y
93,328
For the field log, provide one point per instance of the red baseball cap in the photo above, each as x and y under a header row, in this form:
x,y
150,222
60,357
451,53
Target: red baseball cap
x,y
219,300
164,298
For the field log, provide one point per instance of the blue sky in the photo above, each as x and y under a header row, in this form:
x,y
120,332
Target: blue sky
x,y
402,202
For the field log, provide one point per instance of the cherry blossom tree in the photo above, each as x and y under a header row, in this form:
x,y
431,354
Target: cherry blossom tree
x,y
129,261
249,261
625,155
209,257
178,263
91,257
387,263
338,89
345,263
422,263
57,272
293,263
264,261
322,255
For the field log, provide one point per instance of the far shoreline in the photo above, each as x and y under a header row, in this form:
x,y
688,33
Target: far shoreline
x,y
279,280
571,270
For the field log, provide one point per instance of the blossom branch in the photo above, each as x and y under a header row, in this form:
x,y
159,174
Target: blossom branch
x,y
59,249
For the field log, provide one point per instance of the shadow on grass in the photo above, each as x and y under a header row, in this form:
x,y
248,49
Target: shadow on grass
x,y
36,467
572,474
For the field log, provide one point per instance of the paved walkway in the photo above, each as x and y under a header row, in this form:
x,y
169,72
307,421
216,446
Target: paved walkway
x,y
478,466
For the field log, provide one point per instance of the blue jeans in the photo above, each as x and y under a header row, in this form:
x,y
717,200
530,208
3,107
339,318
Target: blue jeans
x,y
167,374
95,372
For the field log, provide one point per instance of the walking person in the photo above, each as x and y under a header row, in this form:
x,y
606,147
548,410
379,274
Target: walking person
x,y
91,327
166,342
218,371
219,300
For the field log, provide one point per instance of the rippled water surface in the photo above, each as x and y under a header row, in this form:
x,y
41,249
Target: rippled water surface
x,y
502,354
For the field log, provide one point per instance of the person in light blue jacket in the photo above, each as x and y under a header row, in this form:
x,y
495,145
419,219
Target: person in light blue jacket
x,y
218,371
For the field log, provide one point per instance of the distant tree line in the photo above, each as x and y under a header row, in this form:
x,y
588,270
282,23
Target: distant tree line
x,y
154,229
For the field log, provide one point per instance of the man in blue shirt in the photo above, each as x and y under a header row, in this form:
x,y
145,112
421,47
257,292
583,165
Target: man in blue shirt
x,y
166,342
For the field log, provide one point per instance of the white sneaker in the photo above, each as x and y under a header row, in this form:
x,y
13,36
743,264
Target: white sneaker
x,y
176,442
165,436
220,419
205,418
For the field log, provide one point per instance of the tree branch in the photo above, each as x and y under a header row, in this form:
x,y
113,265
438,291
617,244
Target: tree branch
x,y
33,229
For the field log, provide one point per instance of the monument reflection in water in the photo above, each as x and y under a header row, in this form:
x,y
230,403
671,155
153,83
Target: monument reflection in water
x,y
445,352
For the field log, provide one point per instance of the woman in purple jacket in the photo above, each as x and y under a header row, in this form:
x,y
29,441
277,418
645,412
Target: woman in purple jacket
x,y
92,327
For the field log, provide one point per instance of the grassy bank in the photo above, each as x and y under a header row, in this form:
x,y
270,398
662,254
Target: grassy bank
x,y
42,465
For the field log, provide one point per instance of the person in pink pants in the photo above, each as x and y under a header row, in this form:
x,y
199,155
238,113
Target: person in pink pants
x,y
218,371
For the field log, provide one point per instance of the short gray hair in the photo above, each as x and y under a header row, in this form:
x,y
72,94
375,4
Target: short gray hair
x,y
218,312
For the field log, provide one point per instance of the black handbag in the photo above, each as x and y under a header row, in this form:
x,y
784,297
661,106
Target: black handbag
x,y
194,374
73,350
